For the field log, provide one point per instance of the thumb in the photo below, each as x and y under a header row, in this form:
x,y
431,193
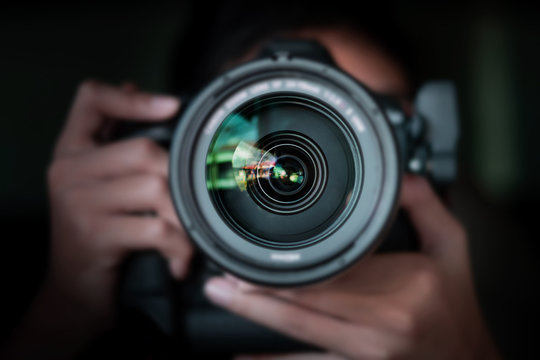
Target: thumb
x,y
441,235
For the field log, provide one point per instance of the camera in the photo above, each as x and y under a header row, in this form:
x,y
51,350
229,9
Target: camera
x,y
285,171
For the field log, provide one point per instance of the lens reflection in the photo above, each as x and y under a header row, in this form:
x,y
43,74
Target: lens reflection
x,y
287,174
269,165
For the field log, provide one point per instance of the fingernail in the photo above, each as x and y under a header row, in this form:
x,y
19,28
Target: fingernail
x,y
219,290
165,103
177,268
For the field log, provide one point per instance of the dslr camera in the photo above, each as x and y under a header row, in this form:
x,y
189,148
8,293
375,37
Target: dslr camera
x,y
284,171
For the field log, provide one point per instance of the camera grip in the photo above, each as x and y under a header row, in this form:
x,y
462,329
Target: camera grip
x,y
146,292
158,313
201,323
232,335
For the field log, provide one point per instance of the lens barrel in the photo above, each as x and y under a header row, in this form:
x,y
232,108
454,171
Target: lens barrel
x,y
285,171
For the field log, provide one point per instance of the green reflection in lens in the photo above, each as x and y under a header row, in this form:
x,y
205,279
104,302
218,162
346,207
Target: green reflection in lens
x,y
279,170
234,160
287,174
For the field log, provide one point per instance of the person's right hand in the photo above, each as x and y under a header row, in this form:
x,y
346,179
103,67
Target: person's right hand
x,y
403,305
97,195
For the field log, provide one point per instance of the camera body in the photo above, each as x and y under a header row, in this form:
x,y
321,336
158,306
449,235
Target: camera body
x,y
285,171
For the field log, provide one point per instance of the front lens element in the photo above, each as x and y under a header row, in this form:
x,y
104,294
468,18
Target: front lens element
x,y
290,174
280,170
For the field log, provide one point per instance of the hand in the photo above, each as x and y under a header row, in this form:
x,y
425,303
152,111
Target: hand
x,y
97,195
402,305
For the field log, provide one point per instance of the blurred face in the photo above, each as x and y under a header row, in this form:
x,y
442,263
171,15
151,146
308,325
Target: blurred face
x,y
361,58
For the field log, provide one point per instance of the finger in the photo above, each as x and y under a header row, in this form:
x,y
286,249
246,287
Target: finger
x,y
441,235
127,157
108,129
378,274
96,102
339,302
293,320
371,300
133,194
373,276
379,292
297,356
126,234
364,309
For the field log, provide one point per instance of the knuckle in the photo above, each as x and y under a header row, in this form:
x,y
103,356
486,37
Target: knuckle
x,y
406,322
426,291
88,88
424,264
73,202
426,278
145,145
73,198
145,148
158,229
157,186
149,154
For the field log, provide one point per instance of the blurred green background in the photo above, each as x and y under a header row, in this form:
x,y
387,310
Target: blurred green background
x,y
491,50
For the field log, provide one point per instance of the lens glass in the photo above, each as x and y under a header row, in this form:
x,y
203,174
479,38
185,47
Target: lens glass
x,y
280,170
287,176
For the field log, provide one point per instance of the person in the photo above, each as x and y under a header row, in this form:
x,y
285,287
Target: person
x,y
395,305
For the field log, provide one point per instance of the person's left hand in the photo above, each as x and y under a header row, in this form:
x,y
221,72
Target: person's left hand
x,y
107,200
402,305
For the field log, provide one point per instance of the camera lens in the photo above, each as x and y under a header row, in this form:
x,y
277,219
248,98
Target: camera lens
x,y
270,163
284,171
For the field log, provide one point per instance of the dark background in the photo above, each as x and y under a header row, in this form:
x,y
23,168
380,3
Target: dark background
x,y
491,50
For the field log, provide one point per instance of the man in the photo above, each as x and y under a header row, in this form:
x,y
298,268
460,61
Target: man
x,y
419,305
